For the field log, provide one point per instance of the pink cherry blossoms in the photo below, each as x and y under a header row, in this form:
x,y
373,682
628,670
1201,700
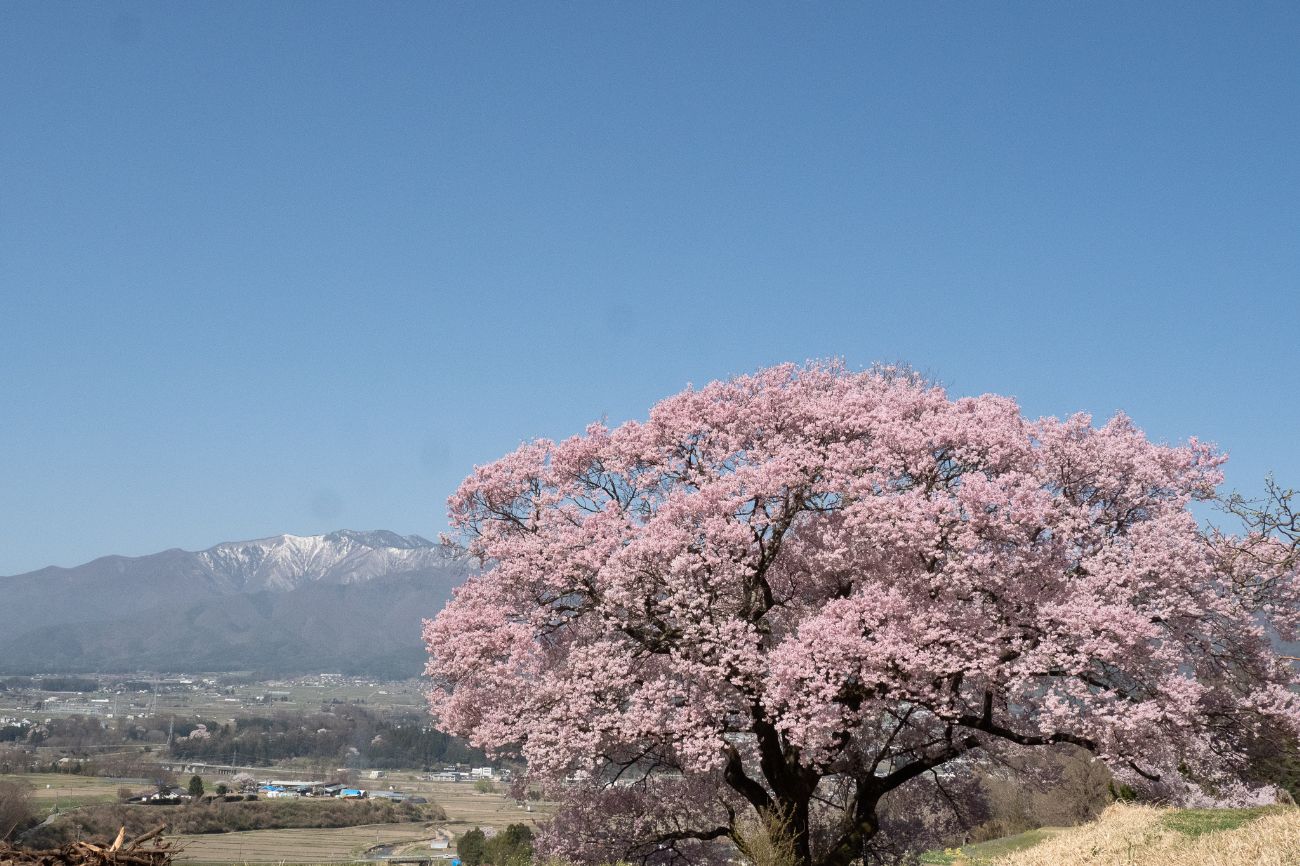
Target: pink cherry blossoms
x,y
815,574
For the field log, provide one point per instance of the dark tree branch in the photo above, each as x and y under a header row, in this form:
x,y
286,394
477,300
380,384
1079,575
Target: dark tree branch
x,y
735,776
986,724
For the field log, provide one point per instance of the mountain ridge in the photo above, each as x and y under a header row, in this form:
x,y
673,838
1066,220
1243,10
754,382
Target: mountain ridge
x,y
369,537
122,613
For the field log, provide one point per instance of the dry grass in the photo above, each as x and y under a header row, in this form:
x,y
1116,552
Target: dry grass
x,y
766,840
1129,835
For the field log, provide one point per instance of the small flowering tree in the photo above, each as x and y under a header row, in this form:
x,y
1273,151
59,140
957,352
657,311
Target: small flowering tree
x,y
796,592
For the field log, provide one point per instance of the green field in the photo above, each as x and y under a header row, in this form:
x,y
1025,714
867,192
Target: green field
x,y
984,852
1198,822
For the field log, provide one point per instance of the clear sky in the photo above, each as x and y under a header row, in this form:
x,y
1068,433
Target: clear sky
x,y
292,267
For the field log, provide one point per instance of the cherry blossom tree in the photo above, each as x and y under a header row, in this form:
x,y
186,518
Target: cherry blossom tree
x,y
800,591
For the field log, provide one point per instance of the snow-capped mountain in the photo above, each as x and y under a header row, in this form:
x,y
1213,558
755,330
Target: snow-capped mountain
x,y
285,562
342,600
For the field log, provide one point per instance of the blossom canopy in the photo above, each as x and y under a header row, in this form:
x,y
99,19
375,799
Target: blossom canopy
x,y
814,573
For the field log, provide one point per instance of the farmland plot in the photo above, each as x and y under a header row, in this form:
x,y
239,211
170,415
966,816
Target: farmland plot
x,y
305,845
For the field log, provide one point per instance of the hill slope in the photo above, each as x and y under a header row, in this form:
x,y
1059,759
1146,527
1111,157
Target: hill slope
x,y
346,601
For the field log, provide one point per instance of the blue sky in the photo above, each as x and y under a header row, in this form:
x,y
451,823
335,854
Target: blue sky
x,y
292,267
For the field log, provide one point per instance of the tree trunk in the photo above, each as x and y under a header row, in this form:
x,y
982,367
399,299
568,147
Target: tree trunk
x,y
799,829
851,845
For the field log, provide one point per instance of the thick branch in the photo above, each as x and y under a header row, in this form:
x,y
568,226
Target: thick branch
x,y
986,724
929,762
864,823
735,776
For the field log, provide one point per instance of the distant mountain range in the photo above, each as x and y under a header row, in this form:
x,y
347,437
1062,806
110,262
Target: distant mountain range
x,y
346,601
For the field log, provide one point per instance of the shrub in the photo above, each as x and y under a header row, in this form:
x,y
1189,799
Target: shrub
x,y
471,847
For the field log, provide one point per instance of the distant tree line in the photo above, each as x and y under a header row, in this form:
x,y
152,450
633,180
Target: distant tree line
x,y
345,736
74,733
348,736
50,684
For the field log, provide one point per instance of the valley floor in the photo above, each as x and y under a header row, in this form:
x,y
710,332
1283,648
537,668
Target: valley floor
x,y
465,807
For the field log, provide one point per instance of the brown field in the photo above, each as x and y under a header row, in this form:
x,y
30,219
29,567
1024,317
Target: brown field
x,y
334,845
48,786
467,808
66,790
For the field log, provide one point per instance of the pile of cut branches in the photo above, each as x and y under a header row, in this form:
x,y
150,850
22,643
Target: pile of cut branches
x,y
120,853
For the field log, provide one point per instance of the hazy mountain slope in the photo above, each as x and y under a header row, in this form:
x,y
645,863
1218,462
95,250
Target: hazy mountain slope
x,y
371,628
345,601
107,587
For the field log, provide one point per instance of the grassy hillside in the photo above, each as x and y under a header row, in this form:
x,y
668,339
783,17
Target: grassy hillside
x,y
1127,835
981,853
